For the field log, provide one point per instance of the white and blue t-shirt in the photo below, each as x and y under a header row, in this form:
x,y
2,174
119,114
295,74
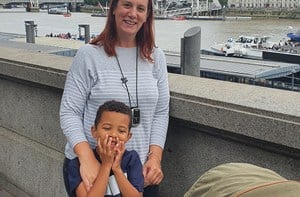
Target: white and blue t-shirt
x,y
131,166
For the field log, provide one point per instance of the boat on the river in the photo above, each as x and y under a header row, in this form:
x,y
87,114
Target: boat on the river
x,y
59,10
99,14
67,14
253,46
295,37
246,46
177,17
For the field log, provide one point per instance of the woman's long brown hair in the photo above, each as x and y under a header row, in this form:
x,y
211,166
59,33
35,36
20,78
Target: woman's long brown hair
x,y
144,37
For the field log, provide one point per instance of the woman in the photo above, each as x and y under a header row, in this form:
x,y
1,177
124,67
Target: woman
x,y
122,63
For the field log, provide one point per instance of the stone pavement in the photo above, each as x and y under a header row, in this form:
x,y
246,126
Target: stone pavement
x,y
54,41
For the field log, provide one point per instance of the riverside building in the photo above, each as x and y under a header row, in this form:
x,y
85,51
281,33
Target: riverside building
x,y
284,4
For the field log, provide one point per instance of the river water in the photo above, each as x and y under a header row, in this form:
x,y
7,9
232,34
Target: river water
x,y
167,32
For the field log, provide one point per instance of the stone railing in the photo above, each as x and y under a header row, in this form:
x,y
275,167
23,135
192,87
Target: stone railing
x,y
211,122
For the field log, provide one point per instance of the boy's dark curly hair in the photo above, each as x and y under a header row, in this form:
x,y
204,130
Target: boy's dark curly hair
x,y
113,106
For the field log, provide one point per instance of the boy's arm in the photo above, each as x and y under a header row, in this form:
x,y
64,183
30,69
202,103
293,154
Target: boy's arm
x,y
126,188
100,185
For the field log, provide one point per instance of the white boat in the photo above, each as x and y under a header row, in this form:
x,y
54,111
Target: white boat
x,y
58,10
244,46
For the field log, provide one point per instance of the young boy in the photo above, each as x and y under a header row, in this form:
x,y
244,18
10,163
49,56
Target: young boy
x,y
120,172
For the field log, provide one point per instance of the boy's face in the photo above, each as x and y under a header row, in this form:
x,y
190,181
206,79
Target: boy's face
x,y
113,124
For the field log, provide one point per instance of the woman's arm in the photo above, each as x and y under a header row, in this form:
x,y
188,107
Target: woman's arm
x,y
160,120
78,84
89,166
152,168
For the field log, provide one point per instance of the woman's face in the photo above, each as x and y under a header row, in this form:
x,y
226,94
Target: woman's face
x,y
130,16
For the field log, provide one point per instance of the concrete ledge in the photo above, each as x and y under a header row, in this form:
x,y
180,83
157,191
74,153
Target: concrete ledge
x,y
40,68
258,112
32,143
263,113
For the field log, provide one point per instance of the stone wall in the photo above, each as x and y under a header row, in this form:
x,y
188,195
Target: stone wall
x,y
211,122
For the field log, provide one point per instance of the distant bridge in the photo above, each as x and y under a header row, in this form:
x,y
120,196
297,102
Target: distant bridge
x,y
197,6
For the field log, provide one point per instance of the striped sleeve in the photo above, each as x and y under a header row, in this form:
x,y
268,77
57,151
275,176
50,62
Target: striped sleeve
x,y
161,114
77,87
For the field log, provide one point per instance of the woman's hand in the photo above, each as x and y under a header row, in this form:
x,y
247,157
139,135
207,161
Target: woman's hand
x,y
89,165
89,169
152,171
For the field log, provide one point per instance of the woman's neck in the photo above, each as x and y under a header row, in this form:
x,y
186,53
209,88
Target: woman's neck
x,y
126,43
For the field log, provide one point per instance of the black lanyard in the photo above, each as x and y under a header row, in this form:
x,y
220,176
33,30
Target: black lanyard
x,y
124,80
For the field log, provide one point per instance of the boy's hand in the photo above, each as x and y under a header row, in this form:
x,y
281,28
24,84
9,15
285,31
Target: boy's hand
x,y
119,151
105,151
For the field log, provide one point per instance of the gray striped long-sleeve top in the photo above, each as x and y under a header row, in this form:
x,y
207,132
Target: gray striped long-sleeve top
x,y
95,78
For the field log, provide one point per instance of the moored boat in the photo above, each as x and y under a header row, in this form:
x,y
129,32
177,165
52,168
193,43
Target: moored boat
x,y
253,46
67,14
295,37
246,46
59,10
98,14
178,17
